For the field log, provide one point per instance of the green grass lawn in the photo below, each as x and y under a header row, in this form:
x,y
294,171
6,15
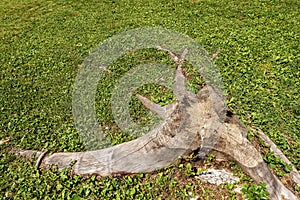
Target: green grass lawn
x,y
43,44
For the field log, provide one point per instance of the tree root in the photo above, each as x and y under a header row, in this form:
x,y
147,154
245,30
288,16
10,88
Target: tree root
x,y
294,173
193,122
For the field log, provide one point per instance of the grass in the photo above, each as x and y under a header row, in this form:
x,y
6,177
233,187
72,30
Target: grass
x,y
43,44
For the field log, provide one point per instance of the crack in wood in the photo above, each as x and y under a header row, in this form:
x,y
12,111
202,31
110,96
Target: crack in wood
x,y
194,121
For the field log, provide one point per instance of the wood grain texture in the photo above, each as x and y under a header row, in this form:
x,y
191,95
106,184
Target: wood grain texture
x,y
193,122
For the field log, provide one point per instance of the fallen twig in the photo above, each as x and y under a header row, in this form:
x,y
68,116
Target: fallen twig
x,y
4,140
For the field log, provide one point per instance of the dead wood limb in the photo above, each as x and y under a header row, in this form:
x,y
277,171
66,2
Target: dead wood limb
x,y
193,122
175,57
153,107
277,152
238,148
27,154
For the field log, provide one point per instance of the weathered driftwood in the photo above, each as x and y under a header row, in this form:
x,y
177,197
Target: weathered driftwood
x,y
294,173
193,122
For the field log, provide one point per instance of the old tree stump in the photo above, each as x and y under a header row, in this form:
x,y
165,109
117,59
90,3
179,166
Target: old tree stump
x,y
194,122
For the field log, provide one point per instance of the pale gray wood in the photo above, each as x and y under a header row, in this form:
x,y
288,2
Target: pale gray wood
x,y
294,173
153,107
193,122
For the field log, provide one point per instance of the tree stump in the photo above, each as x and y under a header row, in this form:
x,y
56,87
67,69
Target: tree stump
x,y
193,122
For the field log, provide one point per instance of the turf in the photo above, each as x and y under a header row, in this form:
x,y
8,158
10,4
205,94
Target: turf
x,y
43,44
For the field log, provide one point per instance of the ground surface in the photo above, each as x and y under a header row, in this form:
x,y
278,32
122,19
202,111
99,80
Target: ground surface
x,y
43,44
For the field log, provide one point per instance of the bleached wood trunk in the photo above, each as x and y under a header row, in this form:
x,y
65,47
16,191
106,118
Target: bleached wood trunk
x,y
193,122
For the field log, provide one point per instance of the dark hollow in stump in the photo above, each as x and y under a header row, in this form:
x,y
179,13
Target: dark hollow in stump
x,y
193,122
